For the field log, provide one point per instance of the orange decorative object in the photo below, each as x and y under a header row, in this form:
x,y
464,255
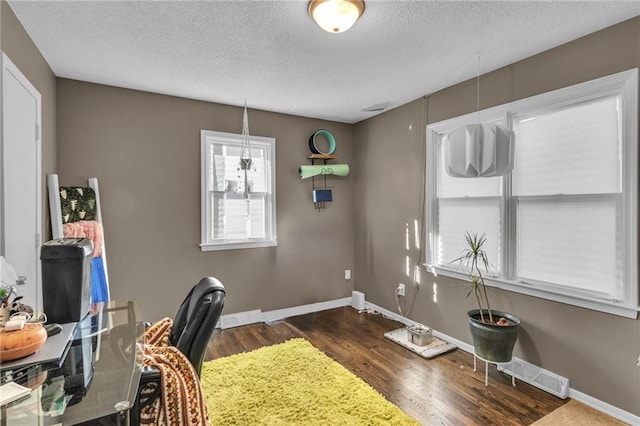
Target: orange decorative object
x,y
20,343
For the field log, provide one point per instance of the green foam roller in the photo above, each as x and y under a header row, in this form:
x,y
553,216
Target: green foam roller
x,y
326,169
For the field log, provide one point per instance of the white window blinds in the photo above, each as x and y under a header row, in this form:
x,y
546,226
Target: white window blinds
x,y
567,184
563,225
237,218
456,198
231,220
575,150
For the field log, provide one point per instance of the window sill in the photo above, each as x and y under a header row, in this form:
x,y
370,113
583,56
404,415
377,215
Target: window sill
x,y
619,308
237,245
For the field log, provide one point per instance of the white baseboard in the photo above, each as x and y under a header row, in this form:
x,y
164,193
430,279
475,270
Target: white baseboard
x,y
250,317
279,314
615,412
241,318
389,314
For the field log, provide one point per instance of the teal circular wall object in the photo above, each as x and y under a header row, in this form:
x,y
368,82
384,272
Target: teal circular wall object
x,y
328,136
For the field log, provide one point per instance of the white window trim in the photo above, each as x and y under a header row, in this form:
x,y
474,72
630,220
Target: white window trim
x,y
625,84
205,212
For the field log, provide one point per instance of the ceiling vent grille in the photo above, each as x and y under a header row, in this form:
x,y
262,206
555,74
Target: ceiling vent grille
x,y
377,107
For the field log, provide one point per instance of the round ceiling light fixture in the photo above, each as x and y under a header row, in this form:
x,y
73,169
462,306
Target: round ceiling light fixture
x,y
336,16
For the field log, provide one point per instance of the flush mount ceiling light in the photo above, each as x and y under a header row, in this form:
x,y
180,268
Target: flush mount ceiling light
x,y
336,16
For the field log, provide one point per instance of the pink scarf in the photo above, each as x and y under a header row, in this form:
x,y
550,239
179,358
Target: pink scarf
x,y
86,229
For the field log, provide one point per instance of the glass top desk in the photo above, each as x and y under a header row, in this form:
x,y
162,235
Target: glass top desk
x,y
97,377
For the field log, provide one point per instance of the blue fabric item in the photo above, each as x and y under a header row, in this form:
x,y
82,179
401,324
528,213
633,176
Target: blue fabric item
x,y
99,291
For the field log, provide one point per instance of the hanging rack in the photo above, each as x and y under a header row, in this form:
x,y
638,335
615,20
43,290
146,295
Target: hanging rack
x,y
55,211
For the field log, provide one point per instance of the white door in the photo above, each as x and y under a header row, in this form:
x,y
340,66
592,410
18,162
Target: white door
x,y
20,215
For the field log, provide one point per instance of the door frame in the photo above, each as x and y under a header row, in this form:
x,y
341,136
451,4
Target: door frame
x,y
7,66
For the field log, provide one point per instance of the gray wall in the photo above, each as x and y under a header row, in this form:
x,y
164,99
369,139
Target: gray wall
x,y
18,46
144,149
596,351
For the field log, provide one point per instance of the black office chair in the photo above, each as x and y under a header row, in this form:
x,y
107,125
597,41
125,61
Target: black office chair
x,y
196,319
192,328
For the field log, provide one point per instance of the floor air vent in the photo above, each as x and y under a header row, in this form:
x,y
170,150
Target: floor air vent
x,y
538,377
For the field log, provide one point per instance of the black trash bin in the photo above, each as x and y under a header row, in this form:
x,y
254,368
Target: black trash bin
x,y
66,279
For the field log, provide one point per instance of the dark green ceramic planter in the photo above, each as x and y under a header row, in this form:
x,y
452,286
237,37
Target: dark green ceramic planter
x,y
493,342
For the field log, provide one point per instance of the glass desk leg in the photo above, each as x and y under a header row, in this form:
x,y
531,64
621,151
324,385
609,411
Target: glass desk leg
x,y
123,415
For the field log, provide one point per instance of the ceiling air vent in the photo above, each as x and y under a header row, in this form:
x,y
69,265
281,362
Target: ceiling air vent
x,y
377,107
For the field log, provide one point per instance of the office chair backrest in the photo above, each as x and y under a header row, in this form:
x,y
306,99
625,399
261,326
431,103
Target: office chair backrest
x,y
196,319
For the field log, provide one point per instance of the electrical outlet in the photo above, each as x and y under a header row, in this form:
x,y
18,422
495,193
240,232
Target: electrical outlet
x,y
400,290
347,274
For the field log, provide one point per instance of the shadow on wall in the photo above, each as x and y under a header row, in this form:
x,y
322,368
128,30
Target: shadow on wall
x,y
527,345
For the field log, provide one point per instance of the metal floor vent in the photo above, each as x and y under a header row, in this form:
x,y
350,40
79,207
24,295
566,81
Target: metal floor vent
x,y
538,377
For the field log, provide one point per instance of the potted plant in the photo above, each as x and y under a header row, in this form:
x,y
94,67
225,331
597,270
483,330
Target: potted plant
x,y
494,333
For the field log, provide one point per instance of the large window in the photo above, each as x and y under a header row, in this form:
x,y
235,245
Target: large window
x,y
563,224
233,218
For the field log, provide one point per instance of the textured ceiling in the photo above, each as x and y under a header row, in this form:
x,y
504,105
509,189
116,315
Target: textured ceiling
x,y
273,56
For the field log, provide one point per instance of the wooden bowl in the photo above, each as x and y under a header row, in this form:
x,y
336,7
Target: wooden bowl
x,y
20,343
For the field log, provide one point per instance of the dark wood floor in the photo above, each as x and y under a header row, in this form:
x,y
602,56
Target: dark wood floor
x,y
441,391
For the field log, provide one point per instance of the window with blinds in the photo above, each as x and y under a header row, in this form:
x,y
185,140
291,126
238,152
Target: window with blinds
x,y
567,190
233,218
563,224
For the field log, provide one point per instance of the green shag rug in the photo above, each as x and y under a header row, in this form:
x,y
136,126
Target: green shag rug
x,y
292,383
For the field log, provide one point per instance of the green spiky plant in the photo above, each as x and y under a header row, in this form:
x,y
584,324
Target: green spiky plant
x,y
473,258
